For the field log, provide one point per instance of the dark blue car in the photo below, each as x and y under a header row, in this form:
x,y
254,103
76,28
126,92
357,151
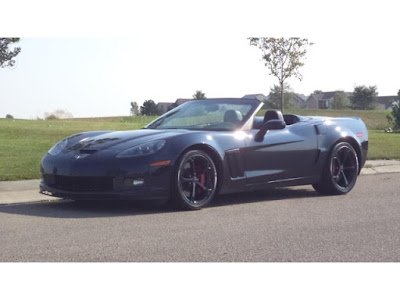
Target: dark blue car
x,y
207,147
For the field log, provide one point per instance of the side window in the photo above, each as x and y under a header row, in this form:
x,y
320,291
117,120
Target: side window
x,y
291,119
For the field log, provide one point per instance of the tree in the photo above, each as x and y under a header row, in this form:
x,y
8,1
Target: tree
x,y
7,55
340,100
283,57
364,97
58,114
199,95
8,116
274,99
149,108
134,109
394,118
51,117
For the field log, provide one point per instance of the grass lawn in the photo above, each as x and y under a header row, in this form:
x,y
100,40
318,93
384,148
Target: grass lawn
x,y
383,145
23,143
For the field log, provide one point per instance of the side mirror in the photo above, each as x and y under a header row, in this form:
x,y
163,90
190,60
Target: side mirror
x,y
270,125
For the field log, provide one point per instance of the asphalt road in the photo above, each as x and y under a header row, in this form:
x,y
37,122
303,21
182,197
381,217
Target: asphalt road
x,y
283,225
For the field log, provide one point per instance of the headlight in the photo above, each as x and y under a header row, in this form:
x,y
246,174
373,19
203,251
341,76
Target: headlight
x,y
143,149
57,148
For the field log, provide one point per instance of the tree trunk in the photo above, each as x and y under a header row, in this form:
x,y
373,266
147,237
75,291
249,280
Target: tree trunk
x,y
282,104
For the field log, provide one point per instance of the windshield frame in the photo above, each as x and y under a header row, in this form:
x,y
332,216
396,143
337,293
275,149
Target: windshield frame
x,y
246,123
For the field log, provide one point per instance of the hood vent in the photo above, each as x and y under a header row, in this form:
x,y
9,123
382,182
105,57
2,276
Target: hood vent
x,y
87,151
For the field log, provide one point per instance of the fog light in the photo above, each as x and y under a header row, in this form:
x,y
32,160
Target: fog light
x,y
133,182
138,181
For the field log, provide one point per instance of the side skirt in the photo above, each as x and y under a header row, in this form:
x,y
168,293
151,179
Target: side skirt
x,y
283,183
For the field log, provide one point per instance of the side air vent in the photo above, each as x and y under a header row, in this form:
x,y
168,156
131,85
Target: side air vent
x,y
320,129
235,163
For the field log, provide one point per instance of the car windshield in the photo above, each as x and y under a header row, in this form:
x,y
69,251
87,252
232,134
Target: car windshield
x,y
210,114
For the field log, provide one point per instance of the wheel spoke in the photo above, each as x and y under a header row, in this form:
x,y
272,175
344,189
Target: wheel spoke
x,y
193,190
191,163
345,179
202,186
207,190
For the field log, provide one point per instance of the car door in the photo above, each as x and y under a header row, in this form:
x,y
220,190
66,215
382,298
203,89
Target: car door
x,y
284,154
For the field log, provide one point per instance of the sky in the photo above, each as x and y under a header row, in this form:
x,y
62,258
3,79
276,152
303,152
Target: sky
x,y
93,61
92,58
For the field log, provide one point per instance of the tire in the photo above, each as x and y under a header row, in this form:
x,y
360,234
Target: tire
x,y
340,172
195,181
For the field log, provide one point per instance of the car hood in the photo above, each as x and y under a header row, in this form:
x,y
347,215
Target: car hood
x,y
118,140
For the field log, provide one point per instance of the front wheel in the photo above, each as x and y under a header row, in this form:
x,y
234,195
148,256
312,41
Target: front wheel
x,y
340,173
195,182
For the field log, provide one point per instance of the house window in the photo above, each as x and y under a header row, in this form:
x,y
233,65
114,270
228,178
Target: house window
x,y
323,104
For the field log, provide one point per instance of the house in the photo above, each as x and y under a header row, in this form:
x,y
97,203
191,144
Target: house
x,y
298,100
323,100
320,100
180,101
385,102
162,107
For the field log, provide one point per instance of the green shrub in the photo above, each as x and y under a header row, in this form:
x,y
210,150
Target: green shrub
x,y
394,117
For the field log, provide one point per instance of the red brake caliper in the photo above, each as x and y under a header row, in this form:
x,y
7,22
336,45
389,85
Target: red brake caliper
x,y
201,175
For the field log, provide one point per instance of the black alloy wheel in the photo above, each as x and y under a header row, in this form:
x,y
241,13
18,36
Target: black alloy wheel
x,y
196,180
340,173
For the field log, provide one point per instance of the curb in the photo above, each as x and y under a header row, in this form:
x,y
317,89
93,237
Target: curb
x,y
381,166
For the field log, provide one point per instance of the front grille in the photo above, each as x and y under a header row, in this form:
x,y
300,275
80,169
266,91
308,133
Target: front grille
x,y
80,184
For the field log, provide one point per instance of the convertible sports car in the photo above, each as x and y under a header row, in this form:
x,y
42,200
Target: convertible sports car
x,y
207,147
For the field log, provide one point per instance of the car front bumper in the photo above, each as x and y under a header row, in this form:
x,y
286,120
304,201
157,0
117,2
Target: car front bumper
x,y
132,179
139,193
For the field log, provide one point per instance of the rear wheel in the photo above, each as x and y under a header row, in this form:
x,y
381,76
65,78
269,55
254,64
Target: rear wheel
x,y
340,172
195,182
